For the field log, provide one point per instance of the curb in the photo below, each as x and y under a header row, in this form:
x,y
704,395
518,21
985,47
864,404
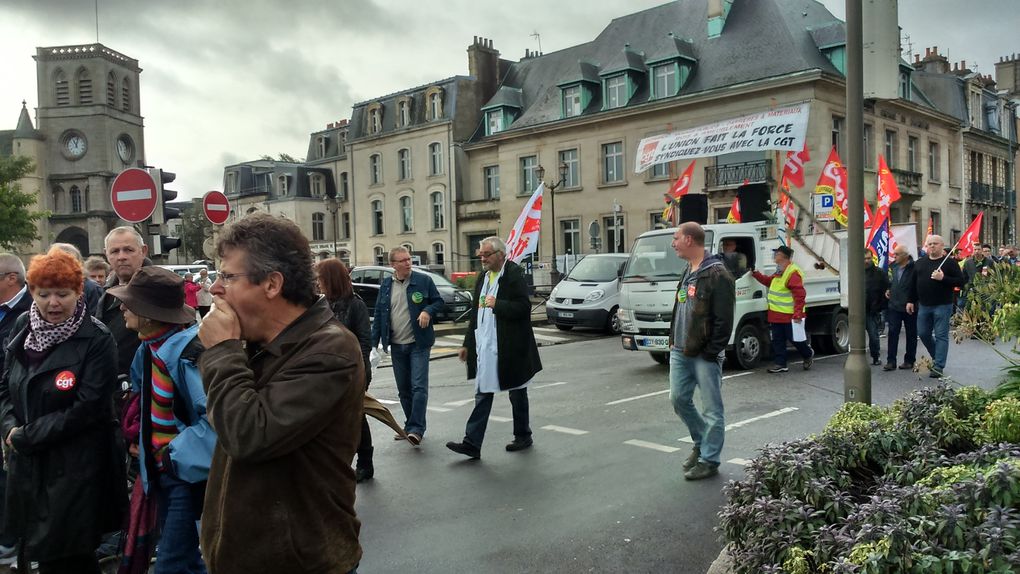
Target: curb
x,y
723,564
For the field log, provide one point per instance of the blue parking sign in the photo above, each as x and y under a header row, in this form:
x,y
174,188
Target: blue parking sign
x,y
828,200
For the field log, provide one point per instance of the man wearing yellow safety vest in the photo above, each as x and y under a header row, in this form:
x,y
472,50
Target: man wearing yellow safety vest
x,y
786,306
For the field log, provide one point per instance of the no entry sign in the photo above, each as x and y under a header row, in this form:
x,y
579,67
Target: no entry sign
x,y
216,207
133,195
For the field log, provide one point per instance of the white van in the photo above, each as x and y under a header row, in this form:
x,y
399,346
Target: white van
x,y
183,270
589,295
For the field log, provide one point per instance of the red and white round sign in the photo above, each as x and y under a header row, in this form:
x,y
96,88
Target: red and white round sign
x,y
216,207
133,195
65,381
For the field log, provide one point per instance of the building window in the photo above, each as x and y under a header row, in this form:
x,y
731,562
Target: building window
x,y
660,171
529,174
345,225
404,112
569,157
317,183
936,222
380,255
869,146
377,217
435,159
491,174
343,186
911,153
283,188
905,85
616,91
125,95
406,215
664,81
837,134
614,234
571,230
58,199
61,89
890,148
656,221
321,141
494,121
375,120
76,200
84,82
438,253
612,162
435,106
934,166
375,169
438,221
318,227
404,164
571,101
111,90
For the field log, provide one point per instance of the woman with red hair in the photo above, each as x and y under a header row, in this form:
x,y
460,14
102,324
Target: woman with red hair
x,y
66,469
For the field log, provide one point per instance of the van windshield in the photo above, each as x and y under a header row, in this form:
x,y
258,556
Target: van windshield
x,y
595,270
652,259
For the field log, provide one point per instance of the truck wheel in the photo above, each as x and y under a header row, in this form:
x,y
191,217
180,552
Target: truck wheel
x,y
838,338
748,347
564,327
660,357
613,323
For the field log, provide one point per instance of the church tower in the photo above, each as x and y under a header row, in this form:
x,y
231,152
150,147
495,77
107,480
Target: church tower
x,y
29,142
90,118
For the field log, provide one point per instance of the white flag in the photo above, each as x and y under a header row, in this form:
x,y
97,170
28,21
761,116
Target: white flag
x,y
523,239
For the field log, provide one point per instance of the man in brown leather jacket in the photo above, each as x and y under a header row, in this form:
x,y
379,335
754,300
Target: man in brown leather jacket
x,y
285,384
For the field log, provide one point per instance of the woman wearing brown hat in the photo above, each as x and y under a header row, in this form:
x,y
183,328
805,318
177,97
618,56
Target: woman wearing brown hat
x,y
176,442
65,485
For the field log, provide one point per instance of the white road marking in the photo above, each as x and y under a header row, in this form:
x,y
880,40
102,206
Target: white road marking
x,y
664,391
739,424
740,461
550,385
651,445
550,338
459,403
564,430
437,409
499,419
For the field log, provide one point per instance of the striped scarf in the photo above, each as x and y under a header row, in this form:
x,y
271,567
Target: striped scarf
x,y
161,414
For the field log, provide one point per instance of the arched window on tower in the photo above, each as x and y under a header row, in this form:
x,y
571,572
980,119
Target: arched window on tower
x,y
77,204
61,89
111,90
58,198
125,95
84,85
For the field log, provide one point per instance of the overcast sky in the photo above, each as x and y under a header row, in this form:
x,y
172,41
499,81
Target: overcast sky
x,y
227,81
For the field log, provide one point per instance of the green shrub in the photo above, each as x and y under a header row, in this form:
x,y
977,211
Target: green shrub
x,y
1002,420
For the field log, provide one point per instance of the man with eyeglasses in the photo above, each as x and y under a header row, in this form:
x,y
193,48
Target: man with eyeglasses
x,y
285,384
14,300
499,348
403,325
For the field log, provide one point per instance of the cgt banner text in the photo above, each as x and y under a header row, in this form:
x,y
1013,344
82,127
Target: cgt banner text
x,y
779,129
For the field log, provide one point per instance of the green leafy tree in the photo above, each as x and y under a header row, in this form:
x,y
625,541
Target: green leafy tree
x,y
284,157
17,220
195,229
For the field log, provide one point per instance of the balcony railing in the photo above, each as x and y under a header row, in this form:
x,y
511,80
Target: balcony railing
x,y
980,192
478,209
732,174
999,195
907,181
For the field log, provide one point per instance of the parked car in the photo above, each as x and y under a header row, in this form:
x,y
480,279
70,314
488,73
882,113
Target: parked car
x,y
589,294
183,270
458,301
368,293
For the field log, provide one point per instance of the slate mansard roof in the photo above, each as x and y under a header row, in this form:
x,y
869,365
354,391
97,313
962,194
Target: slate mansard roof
x,y
419,109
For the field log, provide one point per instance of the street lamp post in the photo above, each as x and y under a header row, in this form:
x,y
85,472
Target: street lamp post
x,y
554,273
332,205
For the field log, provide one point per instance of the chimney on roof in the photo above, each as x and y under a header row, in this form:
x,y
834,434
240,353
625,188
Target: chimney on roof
x,y
483,66
933,62
1007,75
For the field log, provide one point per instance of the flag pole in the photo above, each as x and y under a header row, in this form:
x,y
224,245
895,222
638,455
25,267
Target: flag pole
x,y
950,252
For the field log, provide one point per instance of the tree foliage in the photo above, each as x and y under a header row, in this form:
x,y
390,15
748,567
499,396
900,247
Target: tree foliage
x,y
17,220
195,229
284,157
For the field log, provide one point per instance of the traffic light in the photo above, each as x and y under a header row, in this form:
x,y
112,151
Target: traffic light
x,y
163,212
166,244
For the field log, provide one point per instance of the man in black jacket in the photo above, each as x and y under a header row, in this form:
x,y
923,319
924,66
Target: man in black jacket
x,y
499,348
876,283
901,311
126,252
14,300
699,332
937,275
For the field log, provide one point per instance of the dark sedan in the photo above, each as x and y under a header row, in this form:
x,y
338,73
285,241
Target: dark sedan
x,y
458,301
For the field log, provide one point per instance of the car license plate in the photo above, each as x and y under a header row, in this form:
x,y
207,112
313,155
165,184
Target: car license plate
x,y
654,342
566,315
459,308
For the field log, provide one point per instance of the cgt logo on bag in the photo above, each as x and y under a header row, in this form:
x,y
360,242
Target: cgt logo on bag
x,y
65,381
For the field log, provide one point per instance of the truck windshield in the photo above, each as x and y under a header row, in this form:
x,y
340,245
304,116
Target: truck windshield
x,y
595,270
652,259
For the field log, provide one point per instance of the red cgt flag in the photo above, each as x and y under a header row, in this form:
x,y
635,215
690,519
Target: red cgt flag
x,y
789,210
887,194
833,180
970,237
867,215
734,214
793,170
682,185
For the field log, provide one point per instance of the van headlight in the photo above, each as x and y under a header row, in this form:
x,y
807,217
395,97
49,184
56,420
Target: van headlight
x,y
595,295
626,320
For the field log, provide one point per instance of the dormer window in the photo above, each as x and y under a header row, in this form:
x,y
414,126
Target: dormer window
x,y
321,142
572,105
904,90
434,100
664,82
493,121
374,119
837,57
283,187
617,91
317,183
404,112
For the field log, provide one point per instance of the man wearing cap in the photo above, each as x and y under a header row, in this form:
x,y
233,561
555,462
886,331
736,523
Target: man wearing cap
x,y
786,307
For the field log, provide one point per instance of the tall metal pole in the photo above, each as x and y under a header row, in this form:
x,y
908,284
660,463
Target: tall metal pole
x,y
856,372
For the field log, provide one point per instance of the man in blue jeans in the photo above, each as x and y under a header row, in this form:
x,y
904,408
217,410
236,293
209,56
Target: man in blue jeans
x,y
901,312
936,277
698,335
403,324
